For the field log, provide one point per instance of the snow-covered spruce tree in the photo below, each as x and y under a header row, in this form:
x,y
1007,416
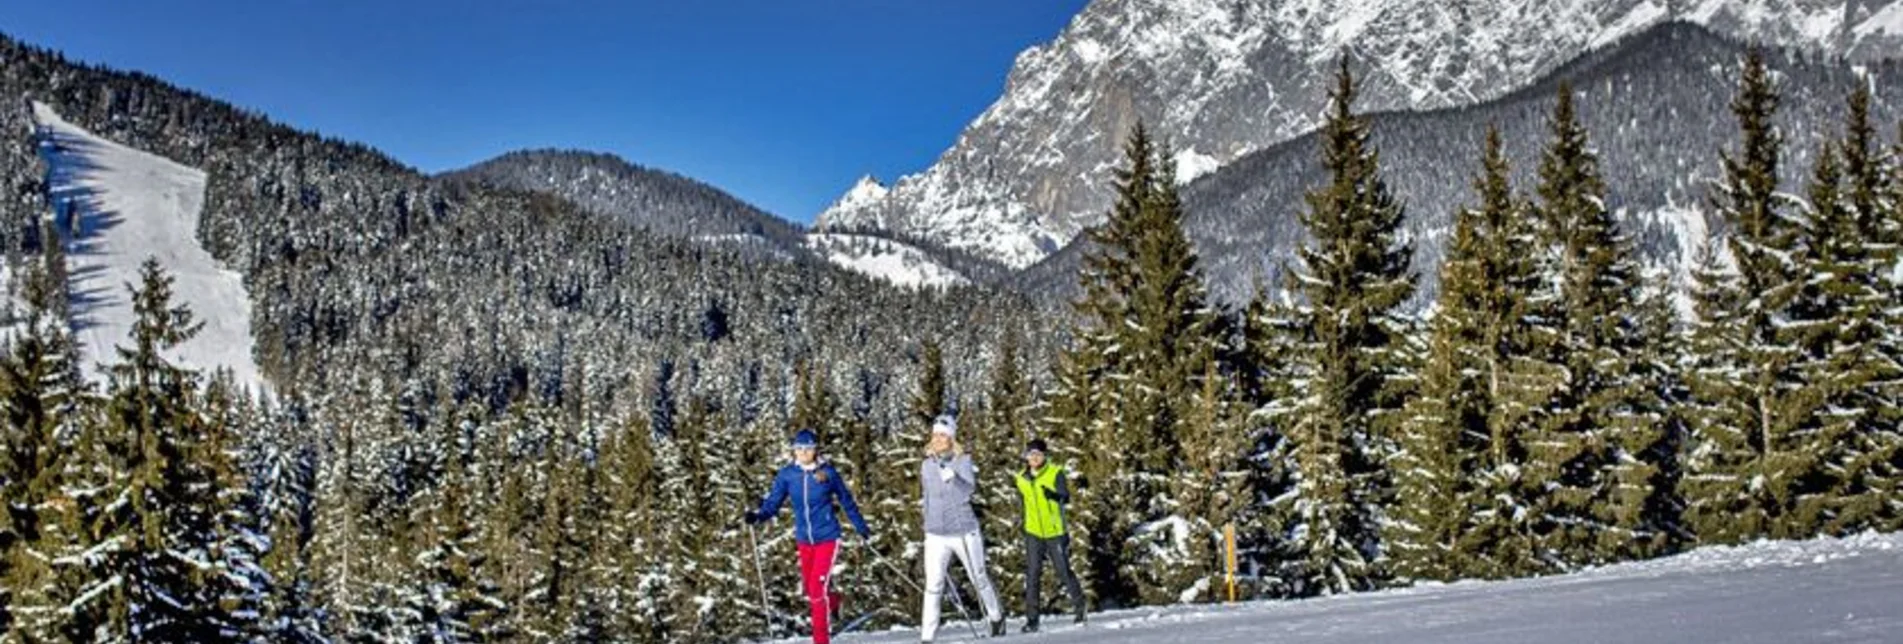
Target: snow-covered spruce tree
x,y
815,405
1003,428
1352,278
455,600
149,491
42,395
551,558
1172,339
628,545
1835,327
1144,320
1208,488
284,470
1269,373
245,589
691,562
1586,451
1751,462
1460,508
1066,416
1852,249
340,556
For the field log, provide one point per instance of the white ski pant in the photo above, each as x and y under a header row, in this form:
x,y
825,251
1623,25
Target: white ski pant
x,y
969,548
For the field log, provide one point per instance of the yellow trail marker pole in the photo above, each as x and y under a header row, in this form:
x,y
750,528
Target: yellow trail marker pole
x,y
1229,545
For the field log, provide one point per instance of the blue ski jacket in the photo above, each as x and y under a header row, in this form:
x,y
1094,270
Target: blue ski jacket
x,y
814,494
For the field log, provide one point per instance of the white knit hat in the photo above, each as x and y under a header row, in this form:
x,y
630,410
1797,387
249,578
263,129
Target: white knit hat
x,y
946,425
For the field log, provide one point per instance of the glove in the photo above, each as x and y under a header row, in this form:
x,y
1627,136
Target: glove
x,y
865,537
946,474
1050,494
754,518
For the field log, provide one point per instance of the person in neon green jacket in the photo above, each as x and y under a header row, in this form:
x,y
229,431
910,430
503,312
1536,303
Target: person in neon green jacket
x,y
1044,491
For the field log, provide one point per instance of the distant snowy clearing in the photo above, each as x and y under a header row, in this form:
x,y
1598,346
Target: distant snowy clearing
x,y
894,262
132,205
1823,590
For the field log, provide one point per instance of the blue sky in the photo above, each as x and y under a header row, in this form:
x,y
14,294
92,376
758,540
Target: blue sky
x,y
784,103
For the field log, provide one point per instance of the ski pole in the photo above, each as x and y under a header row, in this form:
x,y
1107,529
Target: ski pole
x,y
760,574
953,583
897,572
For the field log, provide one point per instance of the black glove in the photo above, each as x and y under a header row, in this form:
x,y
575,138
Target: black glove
x,y
1053,495
754,518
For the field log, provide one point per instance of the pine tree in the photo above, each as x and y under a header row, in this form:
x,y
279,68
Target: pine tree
x,y
1145,331
1603,418
1268,373
1747,468
41,393
554,554
1851,247
341,548
242,588
1003,430
1067,417
152,495
630,532
1353,278
928,401
1458,510
1209,489
456,602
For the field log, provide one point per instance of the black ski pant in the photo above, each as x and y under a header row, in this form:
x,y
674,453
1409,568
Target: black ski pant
x,y
1057,549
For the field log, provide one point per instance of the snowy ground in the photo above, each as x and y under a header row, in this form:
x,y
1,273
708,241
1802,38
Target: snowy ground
x,y
133,205
1826,590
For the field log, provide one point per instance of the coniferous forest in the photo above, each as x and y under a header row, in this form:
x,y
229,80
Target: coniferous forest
x,y
497,417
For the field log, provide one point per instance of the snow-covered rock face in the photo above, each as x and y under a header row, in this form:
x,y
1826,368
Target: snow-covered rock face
x,y
1221,78
866,192
130,206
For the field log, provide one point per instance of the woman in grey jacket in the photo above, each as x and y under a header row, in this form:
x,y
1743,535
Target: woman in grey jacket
x,y
951,529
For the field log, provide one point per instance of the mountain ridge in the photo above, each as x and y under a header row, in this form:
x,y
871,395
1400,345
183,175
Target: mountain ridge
x,y
1222,79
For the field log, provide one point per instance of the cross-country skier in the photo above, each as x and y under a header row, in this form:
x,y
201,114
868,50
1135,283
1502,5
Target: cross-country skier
x,y
1044,491
951,528
816,492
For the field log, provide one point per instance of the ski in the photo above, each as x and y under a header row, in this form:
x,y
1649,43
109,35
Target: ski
x,y
857,622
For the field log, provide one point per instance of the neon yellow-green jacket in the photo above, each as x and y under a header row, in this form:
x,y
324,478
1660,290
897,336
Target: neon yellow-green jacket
x,y
1044,494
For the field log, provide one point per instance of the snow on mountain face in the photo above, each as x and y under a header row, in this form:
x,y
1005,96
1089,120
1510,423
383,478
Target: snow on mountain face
x,y
864,193
132,205
895,262
1221,78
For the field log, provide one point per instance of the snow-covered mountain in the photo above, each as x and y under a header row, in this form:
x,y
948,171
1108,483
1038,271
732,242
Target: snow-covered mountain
x,y
1656,107
658,200
682,207
1223,78
131,205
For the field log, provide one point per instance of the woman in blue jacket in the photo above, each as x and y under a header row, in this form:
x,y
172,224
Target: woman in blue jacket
x,y
816,492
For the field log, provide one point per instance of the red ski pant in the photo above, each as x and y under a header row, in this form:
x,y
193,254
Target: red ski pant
x,y
816,573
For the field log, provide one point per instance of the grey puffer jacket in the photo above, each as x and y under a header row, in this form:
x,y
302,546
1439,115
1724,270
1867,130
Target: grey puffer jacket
x,y
948,499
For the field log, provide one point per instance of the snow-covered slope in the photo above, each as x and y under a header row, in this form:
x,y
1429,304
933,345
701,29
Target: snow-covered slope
x,y
1824,590
130,206
885,259
1220,78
